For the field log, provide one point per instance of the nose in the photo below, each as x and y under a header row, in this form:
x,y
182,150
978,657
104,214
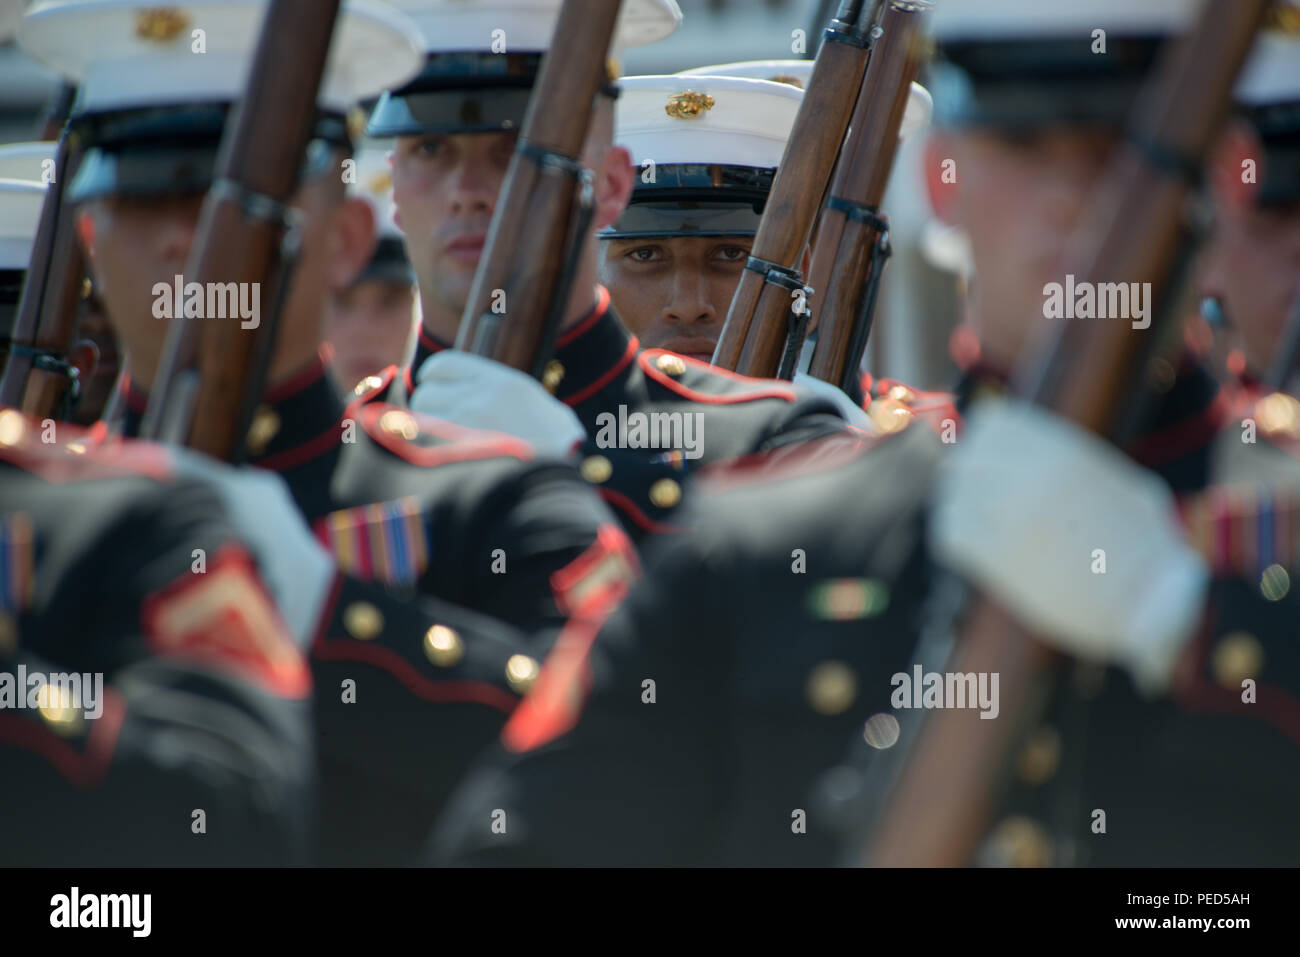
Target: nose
x,y
474,187
176,232
689,302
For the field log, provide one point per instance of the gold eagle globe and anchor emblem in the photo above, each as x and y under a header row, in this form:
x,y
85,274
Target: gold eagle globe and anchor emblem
x,y
689,104
160,24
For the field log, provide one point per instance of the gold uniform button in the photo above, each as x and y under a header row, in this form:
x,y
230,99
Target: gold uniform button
x,y
901,393
831,687
521,672
1018,842
265,427
368,383
59,709
889,415
665,493
443,646
1236,657
671,364
1041,757
596,469
363,620
11,427
397,422
1279,415
552,375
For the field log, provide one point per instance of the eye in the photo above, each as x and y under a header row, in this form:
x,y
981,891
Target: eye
x,y
427,146
732,254
644,254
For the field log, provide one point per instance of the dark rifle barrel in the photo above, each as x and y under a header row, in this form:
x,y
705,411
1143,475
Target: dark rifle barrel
x,y
47,311
753,337
526,249
949,783
843,258
261,155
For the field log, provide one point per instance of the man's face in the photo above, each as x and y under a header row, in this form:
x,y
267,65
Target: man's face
x,y
1019,197
369,326
445,189
1252,265
138,243
674,293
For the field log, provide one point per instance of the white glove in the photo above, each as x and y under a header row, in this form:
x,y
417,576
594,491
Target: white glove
x,y
819,389
1023,503
478,393
298,572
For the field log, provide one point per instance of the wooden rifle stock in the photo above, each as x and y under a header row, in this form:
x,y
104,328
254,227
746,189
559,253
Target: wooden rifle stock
x,y
37,377
754,336
538,229
240,233
947,790
852,237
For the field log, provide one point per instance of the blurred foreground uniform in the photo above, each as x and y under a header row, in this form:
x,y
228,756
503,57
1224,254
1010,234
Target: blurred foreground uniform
x,y
1182,730
598,369
204,702
416,514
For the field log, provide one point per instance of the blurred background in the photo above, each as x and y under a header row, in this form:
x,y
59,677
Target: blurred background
x,y
918,305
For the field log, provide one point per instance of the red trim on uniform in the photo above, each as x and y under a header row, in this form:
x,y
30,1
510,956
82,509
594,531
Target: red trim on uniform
x,y
83,769
137,400
225,630
430,343
442,692
624,361
646,359
556,700
465,444
1182,437
111,458
300,454
410,383
1274,705
611,545
621,501
587,321
308,375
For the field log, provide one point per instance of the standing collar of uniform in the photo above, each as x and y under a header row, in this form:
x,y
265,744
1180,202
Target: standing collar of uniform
x,y
300,415
590,353
593,353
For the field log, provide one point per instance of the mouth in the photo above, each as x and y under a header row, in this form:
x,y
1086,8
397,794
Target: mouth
x,y
466,249
695,348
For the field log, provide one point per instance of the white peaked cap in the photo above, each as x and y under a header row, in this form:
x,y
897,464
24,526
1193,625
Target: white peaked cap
x,y
915,115
20,213
1272,74
1026,19
126,55
526,25
26,160
11,12
738,122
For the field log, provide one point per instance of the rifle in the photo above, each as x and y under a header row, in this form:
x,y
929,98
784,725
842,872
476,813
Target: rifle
x,y
1284,363
539,228
38,379
853,238
938,809
246,233
772,288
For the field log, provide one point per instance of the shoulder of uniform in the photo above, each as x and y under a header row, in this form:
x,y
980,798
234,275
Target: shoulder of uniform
x,y
700,382
440,654
60,452
424,440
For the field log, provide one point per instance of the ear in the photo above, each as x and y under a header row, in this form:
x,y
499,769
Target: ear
x,y
353,238
939,149
1236,169
613,186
